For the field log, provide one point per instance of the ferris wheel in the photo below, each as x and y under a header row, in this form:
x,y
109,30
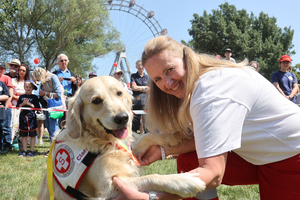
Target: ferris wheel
x,y
134,41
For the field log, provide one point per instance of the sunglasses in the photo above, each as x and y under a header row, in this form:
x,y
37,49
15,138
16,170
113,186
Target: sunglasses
x,y
120,73
63,60
22,70
14,65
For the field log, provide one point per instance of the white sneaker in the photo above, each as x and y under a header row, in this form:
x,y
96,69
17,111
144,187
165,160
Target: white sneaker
x,y
40,142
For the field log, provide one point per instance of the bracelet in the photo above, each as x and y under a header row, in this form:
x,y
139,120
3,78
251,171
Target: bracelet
x,y
163,153
143,87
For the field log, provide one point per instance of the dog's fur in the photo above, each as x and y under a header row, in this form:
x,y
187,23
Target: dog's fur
x,y
102,100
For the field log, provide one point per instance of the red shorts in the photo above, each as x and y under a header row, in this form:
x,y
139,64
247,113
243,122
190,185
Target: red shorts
x,y
278,180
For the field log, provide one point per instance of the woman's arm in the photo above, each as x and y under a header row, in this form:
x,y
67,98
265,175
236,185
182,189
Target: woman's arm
x,y
56,87
211,171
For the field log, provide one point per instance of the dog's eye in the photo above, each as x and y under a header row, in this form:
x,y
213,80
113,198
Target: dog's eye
x,y
96,100
119,93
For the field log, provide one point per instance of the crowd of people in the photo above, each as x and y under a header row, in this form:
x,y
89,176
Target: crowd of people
x,y
41,89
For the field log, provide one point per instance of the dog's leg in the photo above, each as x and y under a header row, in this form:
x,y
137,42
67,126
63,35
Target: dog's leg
x,y
184,185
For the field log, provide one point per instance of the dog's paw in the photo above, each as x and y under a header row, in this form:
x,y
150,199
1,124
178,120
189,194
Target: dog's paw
x,y
186,185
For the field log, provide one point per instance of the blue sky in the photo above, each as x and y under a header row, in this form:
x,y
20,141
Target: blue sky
x,y
175,15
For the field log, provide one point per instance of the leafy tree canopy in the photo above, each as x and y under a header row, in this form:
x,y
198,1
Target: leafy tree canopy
x,y
45,28
254,38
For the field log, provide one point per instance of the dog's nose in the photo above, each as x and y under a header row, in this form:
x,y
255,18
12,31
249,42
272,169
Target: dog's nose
x,y
121,118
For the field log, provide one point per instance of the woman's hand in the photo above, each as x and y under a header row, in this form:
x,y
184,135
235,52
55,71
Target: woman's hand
x,y
127,192
42,93
152,154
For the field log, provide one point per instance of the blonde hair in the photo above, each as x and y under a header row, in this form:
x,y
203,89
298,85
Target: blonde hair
x,y
39,74
166,112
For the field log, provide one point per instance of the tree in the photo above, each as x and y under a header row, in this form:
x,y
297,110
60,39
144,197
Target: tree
x,y
79,28
6,7
254,38
296,71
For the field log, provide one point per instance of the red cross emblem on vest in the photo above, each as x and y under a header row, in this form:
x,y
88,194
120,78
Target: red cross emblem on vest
x,y
62,161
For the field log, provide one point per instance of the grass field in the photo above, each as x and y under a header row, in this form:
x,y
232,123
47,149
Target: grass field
x,y
20,177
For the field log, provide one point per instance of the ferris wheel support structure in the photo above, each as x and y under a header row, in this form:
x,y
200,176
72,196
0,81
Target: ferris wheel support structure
x,y
146,17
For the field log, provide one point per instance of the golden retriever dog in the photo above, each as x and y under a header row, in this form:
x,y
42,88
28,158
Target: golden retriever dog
x,y
99,117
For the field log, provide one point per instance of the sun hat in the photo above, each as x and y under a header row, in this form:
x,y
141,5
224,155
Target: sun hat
x,y
285,58
14,62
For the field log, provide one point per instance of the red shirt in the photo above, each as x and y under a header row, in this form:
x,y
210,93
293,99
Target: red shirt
x,y
7,81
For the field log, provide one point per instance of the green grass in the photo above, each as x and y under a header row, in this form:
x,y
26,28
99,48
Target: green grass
x,y
20,177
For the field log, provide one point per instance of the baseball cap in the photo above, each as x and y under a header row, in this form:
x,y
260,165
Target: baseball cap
x,y
2,65
32,83
285,58
228,49
14,62
92,74
118,70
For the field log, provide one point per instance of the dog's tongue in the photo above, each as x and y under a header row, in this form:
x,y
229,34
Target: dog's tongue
x,y
121,133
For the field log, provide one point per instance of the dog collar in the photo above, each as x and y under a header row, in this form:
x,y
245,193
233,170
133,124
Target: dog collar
x,y
127,148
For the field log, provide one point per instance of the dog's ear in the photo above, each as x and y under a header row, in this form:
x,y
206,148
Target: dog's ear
x,y
74,125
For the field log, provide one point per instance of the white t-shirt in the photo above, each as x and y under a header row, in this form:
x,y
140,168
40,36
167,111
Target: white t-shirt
x,y
238,110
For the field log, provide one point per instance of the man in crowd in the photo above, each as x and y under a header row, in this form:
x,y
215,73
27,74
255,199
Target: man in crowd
x,y
14,66
139,86
66,77
6,128
92,75
284,81
118,75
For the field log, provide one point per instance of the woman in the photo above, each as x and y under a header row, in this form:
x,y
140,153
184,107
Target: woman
x,y
51,88
241,135
18,86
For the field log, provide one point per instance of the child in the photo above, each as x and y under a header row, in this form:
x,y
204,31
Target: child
x,y
228,55
27,119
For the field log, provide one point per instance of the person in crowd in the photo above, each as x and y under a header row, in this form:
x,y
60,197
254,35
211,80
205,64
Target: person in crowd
x,y
284,81
6,128
40,121
28,122
4,95
92,75
228,55
18,87
80,82
66,77
254,65
139,86
118,75
13,68
238,134
50,89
